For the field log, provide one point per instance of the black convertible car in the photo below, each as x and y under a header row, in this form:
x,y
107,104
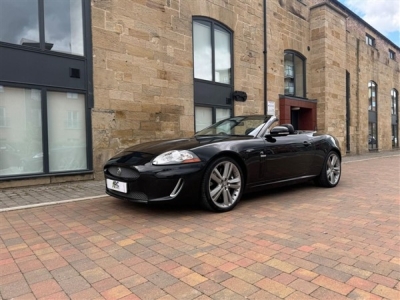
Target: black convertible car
x,y
219,163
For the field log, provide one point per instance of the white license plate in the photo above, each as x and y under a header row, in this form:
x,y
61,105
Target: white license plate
x,y
116,185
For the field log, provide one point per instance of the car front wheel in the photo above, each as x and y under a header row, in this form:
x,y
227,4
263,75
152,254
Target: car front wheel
x,y
331,171
222,185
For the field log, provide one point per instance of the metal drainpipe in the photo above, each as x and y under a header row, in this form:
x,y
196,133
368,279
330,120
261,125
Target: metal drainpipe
x,y
265,58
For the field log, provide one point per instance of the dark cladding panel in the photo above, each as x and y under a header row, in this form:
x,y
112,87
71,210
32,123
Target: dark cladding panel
x,y
36,68
212,94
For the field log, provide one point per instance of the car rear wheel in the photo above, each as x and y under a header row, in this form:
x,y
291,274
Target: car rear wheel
x,y
331,171
222,185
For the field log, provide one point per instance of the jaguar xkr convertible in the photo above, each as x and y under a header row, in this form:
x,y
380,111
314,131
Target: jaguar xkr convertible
x,y
219,163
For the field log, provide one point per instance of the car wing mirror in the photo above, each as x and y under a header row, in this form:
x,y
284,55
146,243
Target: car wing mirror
x,y
279,131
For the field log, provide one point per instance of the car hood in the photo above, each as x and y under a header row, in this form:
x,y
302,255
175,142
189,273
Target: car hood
x,y
143,153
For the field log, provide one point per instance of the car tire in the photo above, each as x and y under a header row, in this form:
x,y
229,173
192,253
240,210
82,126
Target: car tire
x,y
331,171
222,185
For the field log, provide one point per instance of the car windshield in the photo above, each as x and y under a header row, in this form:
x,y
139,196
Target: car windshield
x,y
243,125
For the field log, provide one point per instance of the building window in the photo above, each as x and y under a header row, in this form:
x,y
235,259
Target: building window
x,y
212,52
372,116
25,148
62,20
372,96
21,143
392,54
372,136
3,117
72,119
212,56
395,118
294,74
369,40
67,148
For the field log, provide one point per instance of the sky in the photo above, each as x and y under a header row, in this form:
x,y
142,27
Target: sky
x,y
383,15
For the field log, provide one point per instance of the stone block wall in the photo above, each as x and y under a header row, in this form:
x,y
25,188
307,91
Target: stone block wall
x,y
333,42
328,68
287,29
366,63
143,67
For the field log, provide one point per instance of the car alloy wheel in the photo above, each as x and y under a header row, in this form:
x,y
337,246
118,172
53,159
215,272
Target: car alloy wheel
x,y
333,168
222,185
331,171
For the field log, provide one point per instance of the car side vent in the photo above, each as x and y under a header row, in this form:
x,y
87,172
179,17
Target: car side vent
x,y
131,174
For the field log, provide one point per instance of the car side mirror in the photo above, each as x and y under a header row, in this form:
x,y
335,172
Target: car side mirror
x,y
279,131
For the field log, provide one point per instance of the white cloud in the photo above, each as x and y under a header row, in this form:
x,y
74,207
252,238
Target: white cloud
x,y
383,15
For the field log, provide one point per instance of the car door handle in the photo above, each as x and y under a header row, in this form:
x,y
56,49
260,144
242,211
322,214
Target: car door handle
x,y
306,143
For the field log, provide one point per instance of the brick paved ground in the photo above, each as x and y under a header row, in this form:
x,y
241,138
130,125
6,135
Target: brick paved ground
x,y
301,242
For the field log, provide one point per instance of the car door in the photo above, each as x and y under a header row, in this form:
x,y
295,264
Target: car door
x,y
287,157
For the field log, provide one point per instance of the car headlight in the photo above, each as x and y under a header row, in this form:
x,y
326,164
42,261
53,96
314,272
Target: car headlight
x,y
176,157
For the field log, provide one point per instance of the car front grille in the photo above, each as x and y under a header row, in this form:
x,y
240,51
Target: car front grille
x,y
139,196
131,174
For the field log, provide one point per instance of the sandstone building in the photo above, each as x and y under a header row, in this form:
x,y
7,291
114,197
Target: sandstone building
x,y
81,80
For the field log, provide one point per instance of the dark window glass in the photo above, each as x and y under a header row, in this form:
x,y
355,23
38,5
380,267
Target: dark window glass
x,y
212,52
372,96
294,73
395,104
395,99
63,26
63,22
19,22
202,49
372,137
212,56
369,40
392,55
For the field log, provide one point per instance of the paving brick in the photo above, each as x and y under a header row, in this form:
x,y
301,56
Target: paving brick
x,y
45,288
358,294
354,271
304,274
297,295
332,273
386,281
281,265
261,294
239,286
274,287
14,289
105,284
362,284
94,275
87,294
181,290
386,292
117,292
193,279
303,286
333,285
209,287
323,294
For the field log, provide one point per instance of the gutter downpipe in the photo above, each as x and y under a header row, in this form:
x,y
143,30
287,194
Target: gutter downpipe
x,y
265,58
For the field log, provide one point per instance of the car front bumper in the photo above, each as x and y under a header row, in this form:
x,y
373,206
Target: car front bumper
x,y
148,183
